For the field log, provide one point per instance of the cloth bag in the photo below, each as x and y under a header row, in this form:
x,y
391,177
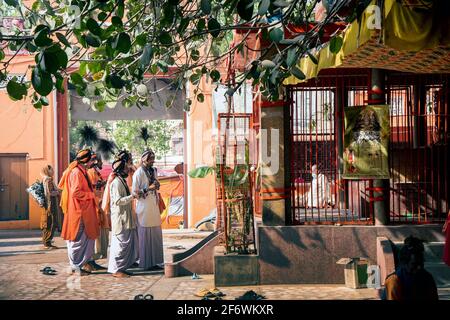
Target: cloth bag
x,y
36,190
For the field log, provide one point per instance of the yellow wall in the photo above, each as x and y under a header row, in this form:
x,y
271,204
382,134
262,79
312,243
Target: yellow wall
x,y
25,130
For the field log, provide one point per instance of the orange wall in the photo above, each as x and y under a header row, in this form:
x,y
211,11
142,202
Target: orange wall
x,y
25,130
201,192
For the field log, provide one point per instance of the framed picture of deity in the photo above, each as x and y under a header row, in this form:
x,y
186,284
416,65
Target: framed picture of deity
x,y
366,142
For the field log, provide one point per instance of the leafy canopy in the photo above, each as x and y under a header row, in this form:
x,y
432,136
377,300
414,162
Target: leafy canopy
x,y
105,47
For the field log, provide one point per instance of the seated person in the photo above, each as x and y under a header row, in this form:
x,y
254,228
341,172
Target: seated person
x,y
319,192
411,281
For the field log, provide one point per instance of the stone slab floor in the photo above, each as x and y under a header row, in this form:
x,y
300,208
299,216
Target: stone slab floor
x,y
22,256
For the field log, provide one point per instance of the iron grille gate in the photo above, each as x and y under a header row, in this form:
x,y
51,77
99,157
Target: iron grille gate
x,y
418,151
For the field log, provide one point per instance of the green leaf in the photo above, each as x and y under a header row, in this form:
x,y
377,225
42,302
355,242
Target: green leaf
x,y
183,25
201,24
77,80
205,6
336,44
16,90
12,3
31,47
62,59
2,54
120,10
201,172
195,78
63,39
276,34
100,105
122,43
42,82
195,55
93,27
59,84
214,27
163,66
215,75
127,103
41,38
291,57
146,57
200,97
165,38
245,9
92,40
263,7
141,39
102,16
115,81
312,57
296,72
44,101
117,21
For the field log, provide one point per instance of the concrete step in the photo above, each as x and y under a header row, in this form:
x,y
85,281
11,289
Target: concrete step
x,y
440,272
433,254
434,251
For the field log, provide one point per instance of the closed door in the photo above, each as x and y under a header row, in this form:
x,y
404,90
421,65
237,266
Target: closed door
x,y
13,184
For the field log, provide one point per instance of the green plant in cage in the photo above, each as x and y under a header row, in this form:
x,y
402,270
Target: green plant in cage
x,y
237,188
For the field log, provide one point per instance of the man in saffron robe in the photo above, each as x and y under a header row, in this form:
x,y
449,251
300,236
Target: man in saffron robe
x,y
81,225
102,242
145,186
124,240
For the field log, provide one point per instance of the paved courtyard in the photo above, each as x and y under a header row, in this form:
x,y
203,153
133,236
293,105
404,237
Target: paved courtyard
x,y
21,258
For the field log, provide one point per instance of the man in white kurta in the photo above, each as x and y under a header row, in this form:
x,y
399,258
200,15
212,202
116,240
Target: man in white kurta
x,y
124,239
145,186
319,193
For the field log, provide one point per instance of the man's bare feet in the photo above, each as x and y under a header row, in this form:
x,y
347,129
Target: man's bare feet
x,y
120,274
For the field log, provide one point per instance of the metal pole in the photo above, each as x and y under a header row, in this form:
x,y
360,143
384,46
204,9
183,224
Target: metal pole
x,y
377,96
341,103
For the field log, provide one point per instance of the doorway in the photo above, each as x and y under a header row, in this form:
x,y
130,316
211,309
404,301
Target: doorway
x,y
13,184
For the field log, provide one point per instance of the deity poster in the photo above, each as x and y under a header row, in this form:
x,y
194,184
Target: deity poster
x,y
366,142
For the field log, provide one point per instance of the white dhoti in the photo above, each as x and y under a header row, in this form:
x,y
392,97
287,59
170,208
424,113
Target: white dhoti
x,y
319,193
123,252
101,244
150,246
81,250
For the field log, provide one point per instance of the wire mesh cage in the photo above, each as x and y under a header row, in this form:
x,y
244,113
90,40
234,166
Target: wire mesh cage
x,y
234,184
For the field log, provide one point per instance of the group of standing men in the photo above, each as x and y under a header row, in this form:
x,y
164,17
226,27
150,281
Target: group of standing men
x,y
127,204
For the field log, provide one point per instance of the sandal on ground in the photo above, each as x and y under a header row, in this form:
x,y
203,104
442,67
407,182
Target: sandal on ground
x,y
48,271
195,276
217,292
142,297
202,293
251,295
211,297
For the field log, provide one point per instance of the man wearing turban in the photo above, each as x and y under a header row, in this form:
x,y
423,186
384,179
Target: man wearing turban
x,y
145,186
102,242
81,225
124,239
